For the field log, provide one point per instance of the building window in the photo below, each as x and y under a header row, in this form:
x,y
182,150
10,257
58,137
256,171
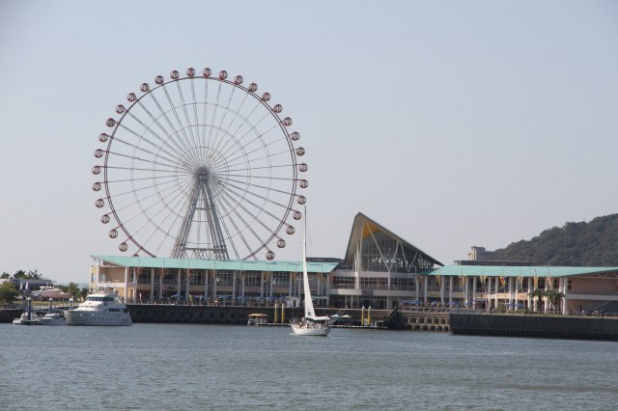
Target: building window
x,y
343,282
225,278
281,279
196,277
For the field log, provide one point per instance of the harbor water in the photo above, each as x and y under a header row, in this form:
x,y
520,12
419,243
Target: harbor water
x,y
208,367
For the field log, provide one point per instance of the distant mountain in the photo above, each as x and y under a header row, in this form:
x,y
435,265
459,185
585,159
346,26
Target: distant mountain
x,y
593,243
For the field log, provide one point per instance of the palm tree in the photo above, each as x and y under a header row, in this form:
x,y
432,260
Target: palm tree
x,y
539,294
554,297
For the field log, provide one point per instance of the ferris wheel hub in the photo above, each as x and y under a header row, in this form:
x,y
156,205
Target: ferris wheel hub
x,y
203,174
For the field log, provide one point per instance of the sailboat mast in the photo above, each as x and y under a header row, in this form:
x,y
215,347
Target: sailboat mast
x,y
309,310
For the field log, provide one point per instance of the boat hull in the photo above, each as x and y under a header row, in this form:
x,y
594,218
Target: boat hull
x,y
54,320
310,331
77,317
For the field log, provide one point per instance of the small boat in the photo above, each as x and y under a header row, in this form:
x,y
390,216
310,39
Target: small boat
x,y
311,324
28,318
24,320
257,319
100,308
53,319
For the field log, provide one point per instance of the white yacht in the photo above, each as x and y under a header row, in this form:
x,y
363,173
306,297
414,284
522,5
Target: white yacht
x,y
100,308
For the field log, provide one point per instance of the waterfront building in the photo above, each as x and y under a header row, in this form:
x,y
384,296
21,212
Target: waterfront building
x,y
379,270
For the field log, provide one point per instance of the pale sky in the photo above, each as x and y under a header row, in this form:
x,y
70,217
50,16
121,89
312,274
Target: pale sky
x,y
452,123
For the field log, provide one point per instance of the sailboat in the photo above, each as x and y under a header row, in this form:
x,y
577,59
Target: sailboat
x,y
311,325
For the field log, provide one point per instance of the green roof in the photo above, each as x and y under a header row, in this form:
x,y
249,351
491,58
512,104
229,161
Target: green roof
x,y
516,271
231,265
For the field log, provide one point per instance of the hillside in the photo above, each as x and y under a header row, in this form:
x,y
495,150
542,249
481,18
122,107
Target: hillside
x,y
593,243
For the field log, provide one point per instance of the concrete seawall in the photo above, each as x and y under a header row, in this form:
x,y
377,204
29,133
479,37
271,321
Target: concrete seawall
x,y
579,328
197,314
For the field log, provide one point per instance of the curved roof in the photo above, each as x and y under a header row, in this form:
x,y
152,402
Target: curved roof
x,y
231,265
364,227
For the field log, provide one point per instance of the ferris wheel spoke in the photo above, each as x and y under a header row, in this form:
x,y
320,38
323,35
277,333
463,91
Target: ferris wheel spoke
x,y
165,141
133,169
222,119
233,118
258,139
135,191
266,178
213,116
180,129
173,157
150,223
186,113
238,229
255,194
268,158
180,145
143,160
145,151
204,121
228,234
227,147
248,227
264,199
196,119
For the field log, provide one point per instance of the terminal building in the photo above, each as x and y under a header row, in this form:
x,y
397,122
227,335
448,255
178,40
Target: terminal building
x,y
379,270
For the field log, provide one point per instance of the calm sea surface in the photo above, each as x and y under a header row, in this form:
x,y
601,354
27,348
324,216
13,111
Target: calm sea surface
x,y
182,367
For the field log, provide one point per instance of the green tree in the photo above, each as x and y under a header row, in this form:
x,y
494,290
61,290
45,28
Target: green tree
x,y
34,274
7,293
5,275
20,274
72,289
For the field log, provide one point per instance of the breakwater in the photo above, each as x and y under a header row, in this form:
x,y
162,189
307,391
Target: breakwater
x,y
8,314
534,326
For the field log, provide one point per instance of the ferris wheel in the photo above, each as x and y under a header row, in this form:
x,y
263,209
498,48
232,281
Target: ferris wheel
x,y
200,166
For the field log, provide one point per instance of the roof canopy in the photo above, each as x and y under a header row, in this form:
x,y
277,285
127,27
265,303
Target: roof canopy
x,y
516,271
230,265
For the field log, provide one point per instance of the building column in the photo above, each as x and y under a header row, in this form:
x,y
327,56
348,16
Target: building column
x,y
179,282
545,304
510,294
160,285
530,291
152,287
206,279
441,290
126,282
242,285
466,291
565,286
188,285
488,296
417,284
473,291
497,293
234,274
425,287
450,289
214,286
262,284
